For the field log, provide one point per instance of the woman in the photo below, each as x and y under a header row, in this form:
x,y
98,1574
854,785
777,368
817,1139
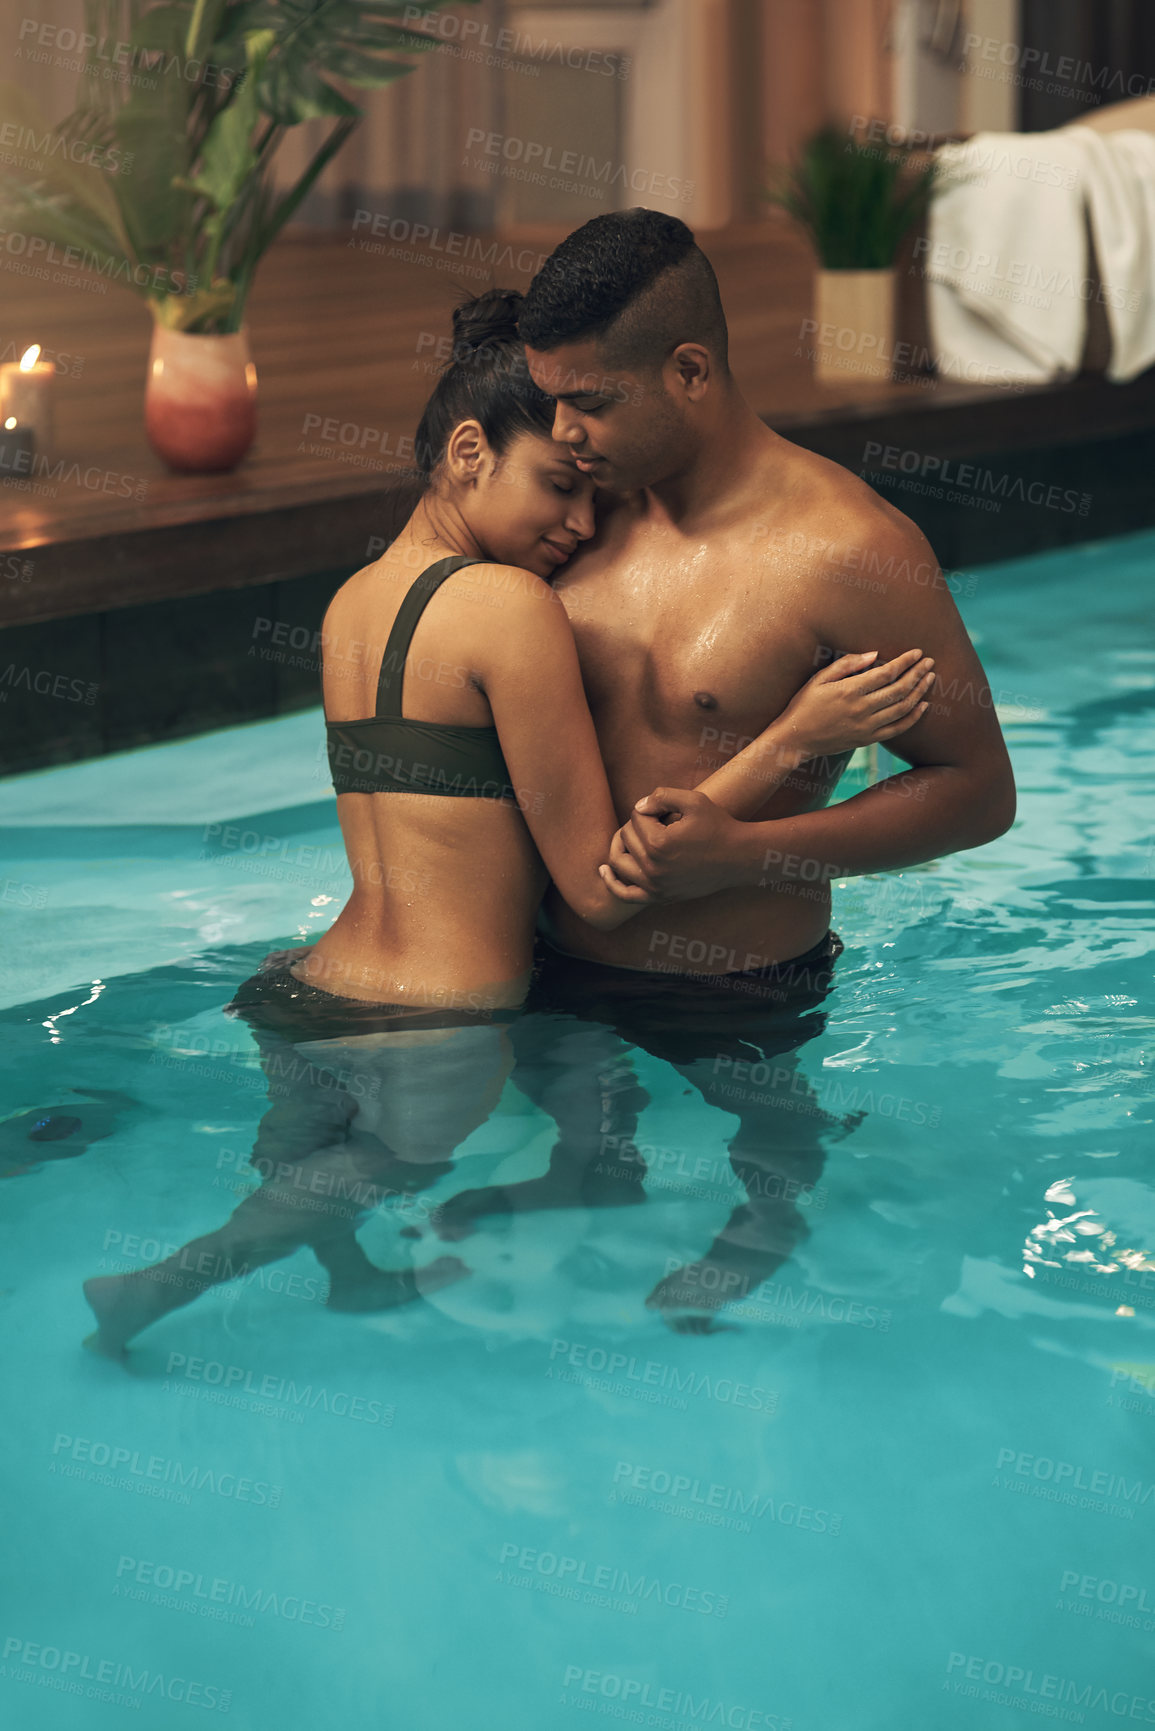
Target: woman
x,y
480,699
467,774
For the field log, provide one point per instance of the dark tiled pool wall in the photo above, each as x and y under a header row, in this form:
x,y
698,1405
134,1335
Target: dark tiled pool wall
x,y
1004,504
76,688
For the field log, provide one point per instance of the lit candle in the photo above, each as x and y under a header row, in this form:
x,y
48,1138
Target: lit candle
x,y
26,395
16,449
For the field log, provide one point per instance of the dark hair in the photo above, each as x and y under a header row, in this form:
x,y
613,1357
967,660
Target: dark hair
x,y
636,279
485,379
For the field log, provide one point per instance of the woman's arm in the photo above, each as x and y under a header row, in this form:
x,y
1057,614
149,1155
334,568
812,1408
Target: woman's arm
x,y
845,705
528,668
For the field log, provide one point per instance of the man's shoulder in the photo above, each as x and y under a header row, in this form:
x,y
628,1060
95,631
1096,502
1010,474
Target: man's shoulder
x,y
829,516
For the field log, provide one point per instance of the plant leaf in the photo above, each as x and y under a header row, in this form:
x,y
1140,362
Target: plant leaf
x,y
229,157
68,225
367,71
76,190
153,126
855,202
205,305
292,94
289,203
203,26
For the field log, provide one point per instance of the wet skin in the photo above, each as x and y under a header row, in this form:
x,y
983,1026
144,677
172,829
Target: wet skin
x,y
730,565
727,566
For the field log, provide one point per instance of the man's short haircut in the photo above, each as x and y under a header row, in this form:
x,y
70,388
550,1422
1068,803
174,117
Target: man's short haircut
x,y
636,281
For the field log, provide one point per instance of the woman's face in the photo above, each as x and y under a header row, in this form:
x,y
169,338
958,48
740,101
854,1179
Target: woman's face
x,y
531,505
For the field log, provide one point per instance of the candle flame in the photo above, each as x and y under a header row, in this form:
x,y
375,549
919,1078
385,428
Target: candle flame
x,y
9,423
29,358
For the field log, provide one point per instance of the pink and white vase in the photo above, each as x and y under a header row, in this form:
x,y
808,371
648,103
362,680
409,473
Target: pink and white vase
x,y
200,403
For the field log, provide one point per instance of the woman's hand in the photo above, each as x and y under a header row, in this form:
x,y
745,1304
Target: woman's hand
x,y
852,703
282,958
675,846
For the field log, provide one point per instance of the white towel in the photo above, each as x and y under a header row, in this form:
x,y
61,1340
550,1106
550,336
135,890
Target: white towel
x,y
1007,260
1121,199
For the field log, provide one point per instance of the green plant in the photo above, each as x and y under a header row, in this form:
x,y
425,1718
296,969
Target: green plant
x,y
160,177
855,201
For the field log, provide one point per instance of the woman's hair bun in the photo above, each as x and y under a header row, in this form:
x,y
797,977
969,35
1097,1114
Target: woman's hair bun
x,y
486,379
485,319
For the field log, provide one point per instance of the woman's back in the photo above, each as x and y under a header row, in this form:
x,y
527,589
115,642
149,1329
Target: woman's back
x,y
451,679
446,882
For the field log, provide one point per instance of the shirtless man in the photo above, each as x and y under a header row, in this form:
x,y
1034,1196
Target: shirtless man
x,y
730,564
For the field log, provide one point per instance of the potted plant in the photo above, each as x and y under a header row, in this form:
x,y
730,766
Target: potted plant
x,y
160,177
856,202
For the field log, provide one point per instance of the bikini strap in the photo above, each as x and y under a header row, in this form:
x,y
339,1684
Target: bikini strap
x,y
392,676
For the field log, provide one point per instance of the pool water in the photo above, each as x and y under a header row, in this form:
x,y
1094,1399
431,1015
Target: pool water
x,y
911,1484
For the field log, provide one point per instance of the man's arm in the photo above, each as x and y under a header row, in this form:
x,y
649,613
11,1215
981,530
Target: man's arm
x,y
958,793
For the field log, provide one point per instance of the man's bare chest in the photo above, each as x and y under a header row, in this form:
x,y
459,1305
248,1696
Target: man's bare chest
x,y
686,645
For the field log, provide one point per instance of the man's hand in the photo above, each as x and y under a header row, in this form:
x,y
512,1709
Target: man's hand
x,y
677,845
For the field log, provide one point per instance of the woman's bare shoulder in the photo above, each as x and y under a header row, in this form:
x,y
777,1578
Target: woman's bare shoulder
x,y
508,583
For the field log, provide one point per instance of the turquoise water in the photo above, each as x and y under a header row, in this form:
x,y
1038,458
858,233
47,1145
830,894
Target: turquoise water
x,y
913,1483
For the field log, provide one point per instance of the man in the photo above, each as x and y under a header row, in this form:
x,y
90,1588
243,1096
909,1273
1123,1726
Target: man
x,y
728,565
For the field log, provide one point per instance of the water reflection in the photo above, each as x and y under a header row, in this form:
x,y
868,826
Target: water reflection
x,y
357,1122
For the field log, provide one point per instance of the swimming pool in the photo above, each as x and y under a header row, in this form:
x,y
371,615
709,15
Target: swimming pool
x,y
912,1486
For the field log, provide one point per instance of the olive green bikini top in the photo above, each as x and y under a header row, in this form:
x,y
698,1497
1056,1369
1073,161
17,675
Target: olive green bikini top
x,y
388,754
